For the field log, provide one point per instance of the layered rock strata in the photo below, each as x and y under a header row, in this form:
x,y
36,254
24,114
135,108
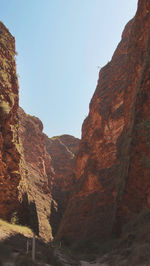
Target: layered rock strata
x,y
113,163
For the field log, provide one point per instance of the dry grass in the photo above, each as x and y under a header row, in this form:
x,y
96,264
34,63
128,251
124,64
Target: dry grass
x,y
7,230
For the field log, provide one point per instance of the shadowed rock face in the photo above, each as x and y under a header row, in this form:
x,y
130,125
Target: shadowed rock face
x,y
113,163
47,170
63,150
32,185
47,175
36,170
9,144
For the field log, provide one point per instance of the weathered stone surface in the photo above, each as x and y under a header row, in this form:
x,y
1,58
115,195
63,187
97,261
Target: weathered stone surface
x,y
136,185
36,169
33,187
113,163
9,144
47,175
63,150
25,166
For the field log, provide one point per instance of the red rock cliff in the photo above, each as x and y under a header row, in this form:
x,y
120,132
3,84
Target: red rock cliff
x,y
25,166
9,154
63,150
32,184
47,175
37,171
113,164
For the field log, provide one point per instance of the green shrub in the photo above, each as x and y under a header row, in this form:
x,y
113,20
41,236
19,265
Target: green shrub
x,y
14,218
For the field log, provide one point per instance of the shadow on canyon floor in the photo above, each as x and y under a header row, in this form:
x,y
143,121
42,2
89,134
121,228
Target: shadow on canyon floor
x,y
133,248
14,249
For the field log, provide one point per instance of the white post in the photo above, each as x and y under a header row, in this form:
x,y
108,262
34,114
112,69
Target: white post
x,y
33,247
27,246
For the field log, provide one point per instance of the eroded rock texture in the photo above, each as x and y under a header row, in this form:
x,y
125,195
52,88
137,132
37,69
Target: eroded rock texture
x,y
36,173
36,169
9,153
25,166
113,164
47,175
63,150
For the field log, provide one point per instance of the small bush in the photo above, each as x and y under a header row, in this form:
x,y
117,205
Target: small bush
x,y
14,218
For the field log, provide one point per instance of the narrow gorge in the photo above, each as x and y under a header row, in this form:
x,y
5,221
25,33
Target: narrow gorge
x,y
36,172
86,190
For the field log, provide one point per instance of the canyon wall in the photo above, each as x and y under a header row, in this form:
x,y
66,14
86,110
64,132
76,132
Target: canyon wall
x,y
63,150
47,175
25,167
113,163
9,142
36,172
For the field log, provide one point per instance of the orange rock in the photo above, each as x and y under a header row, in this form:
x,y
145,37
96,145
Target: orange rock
x,y
33,186
36,172
9,154
63,150
113,163
47,175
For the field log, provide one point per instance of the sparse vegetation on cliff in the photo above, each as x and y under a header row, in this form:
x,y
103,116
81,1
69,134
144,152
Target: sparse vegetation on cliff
x,y
8,229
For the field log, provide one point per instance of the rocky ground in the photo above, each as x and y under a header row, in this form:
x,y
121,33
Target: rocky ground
x,y
132,249
13,249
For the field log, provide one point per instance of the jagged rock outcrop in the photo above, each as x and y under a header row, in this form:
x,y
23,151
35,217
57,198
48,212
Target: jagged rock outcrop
x,y
9,144
113,163
32,185
47,169
25,166
37,171
63,150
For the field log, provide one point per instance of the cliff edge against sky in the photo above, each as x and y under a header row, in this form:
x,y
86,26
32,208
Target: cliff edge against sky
x,y
36,173
9,152
113,163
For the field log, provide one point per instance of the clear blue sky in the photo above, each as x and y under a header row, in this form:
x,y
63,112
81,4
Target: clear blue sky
x,y
60,44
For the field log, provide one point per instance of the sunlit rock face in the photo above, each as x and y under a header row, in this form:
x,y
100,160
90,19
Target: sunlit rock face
x,y
37,171
47,170
25,166
9,144
47,167
113,163
63,150
32,185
